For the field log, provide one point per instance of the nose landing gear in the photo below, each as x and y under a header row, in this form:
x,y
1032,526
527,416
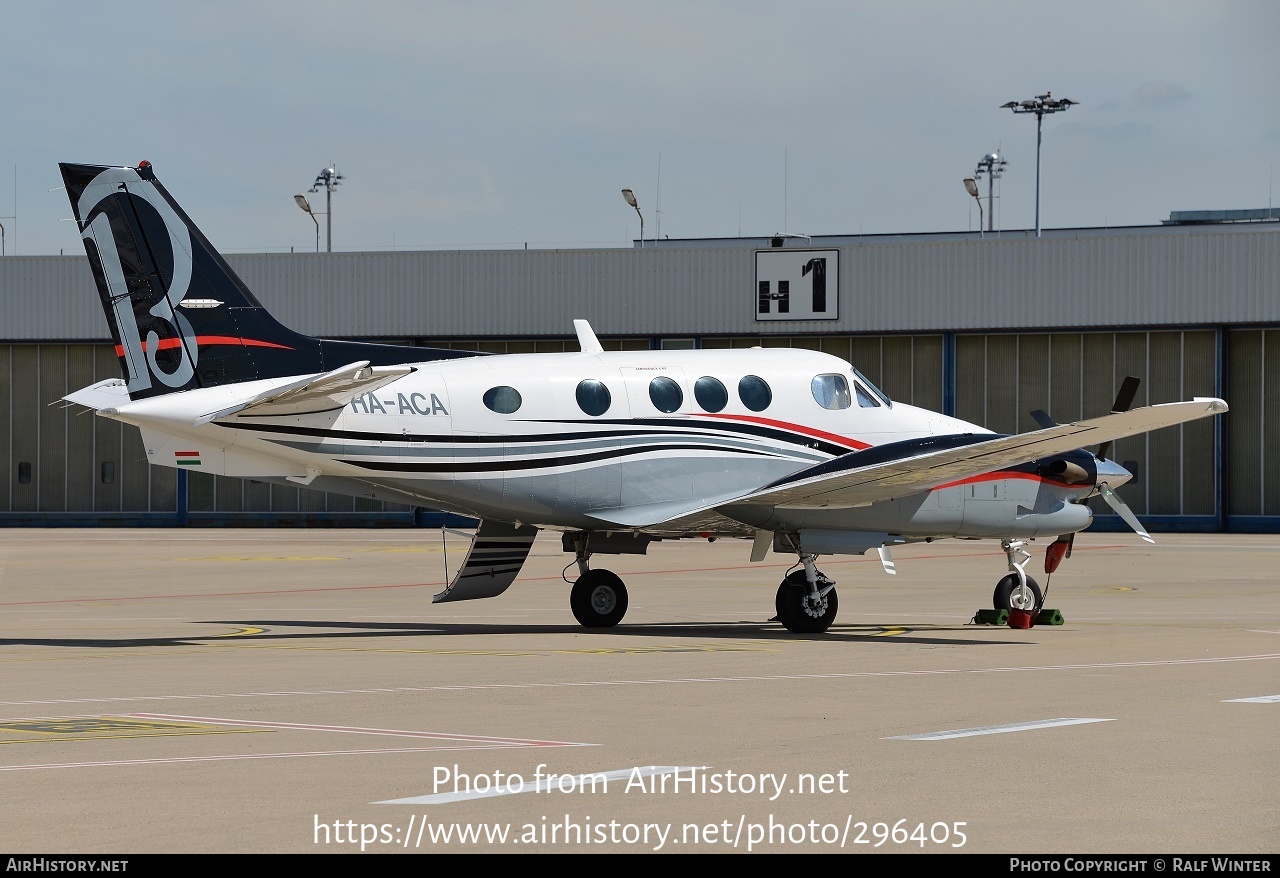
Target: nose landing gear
x,y
1017,590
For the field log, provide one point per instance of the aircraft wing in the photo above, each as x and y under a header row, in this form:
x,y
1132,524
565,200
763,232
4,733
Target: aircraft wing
x,y
860,478
884,472
317,393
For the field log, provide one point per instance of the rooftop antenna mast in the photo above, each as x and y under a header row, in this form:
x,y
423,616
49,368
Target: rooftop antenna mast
x,y
993,165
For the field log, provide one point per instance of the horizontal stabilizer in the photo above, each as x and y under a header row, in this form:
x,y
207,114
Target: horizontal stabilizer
x,y
318,393
104,395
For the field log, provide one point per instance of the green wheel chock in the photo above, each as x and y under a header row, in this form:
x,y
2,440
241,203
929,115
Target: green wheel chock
x,y
1049,617
991,617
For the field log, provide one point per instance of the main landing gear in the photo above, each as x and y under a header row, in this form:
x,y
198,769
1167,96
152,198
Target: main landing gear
x,y
806,600
1017,590
599,597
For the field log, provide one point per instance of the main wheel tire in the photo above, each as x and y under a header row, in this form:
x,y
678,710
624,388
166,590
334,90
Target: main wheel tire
x,y
598,599
1007,595
795,612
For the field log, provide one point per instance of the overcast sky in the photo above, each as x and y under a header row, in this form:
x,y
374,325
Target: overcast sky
x,y
501,124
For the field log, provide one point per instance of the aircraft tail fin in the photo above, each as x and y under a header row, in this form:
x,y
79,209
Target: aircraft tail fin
x,y
180,316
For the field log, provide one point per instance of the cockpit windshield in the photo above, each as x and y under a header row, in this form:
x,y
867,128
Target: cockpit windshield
x,y
869,396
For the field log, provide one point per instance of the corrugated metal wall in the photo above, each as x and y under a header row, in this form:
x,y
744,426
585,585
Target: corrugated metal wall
x,y
1179,276
1000,379
1253,369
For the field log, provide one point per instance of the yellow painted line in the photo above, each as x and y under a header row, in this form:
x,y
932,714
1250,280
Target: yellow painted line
x,y
372,649
97,653
103,727
267,558
1112,588
611,650
425,550
890,632
247,631
643,650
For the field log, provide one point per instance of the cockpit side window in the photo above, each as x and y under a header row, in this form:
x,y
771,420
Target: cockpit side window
x,y
831,391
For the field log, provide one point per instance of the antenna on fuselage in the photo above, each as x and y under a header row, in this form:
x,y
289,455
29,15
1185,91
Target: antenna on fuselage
x,y
587,340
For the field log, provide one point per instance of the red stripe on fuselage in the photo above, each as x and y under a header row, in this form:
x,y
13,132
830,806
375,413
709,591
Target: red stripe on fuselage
x,y
207,340
796,428
1003,474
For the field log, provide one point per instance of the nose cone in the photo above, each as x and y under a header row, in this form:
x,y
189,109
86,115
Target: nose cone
x,y
1112,473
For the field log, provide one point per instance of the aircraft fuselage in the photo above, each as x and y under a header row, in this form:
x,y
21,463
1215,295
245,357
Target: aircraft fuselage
x,y
559,440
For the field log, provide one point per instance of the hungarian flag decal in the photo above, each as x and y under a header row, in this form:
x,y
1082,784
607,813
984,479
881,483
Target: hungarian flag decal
x,y
186,458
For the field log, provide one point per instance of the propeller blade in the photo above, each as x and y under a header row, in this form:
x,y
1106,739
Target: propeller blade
x,y
1041,417
1124,399
1122,509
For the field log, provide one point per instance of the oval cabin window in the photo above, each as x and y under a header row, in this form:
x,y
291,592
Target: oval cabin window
x,y
710,394
503,400
593,397
755,393
665,394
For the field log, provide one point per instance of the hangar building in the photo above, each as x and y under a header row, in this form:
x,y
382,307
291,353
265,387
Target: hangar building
x,y
985,326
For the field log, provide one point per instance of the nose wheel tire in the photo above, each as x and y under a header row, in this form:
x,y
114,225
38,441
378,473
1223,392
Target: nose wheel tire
x,y
598,599
1008,596
800,614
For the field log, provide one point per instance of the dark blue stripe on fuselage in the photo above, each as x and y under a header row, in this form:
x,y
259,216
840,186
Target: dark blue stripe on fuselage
x,y
480,466
673,426
908,448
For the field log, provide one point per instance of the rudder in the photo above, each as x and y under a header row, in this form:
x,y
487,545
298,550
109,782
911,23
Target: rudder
x,y
180,317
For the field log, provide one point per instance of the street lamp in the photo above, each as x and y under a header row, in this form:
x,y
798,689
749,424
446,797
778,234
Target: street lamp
x,y
971,186
1040,105
631,200
329,178
993,166
306,205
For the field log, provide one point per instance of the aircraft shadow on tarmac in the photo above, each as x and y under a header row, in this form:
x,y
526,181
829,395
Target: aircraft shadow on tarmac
x,y
302,630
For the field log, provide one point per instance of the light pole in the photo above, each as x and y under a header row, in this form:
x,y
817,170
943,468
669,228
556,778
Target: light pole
x,y
631,200
306,205
971,186
330,179
1,239
993,166
1040,105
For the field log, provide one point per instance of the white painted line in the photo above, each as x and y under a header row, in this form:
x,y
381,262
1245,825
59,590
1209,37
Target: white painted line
x,y
565,783
658,681
358,730
1261,699
998,730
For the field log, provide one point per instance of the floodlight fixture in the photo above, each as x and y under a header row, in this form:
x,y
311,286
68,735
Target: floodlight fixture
x,y
330,179
1041,105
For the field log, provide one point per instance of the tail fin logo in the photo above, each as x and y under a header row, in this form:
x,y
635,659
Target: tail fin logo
x,y
126,269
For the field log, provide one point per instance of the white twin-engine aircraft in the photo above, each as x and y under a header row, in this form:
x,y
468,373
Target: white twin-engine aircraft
x,y
793,449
